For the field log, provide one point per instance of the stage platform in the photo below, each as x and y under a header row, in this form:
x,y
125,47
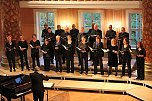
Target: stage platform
x,y
140,89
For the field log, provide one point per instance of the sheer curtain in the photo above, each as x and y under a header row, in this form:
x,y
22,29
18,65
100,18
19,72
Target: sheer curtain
x,y
116,18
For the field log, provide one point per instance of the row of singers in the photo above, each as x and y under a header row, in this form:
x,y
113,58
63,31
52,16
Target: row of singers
x,y
90,35
67,49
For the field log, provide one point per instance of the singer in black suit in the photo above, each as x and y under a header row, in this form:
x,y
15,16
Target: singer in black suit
x,y
10,47
59,31
140,58
112,56
37,85
98,54
58,54
64,40
46,55
69,55
74,34
91,40
126,57
83,48
23,47
44,31
50,36
80,35
92,37
110,34
35,45
122,35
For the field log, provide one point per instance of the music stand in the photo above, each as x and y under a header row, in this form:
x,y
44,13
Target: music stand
x,y
48,85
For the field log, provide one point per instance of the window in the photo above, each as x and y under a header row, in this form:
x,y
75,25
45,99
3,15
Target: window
x,y
43,17
88,17
135,28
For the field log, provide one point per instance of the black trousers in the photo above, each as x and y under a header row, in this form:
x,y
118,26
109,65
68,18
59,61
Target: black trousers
x,y
74,42
120,58
91,41
79,60
140,68
84,56
51,52
124,62
11,60
98,59
63,56
35,57
108,43
52,56
23,56
120,43
70,63
46,63
58,58
38,96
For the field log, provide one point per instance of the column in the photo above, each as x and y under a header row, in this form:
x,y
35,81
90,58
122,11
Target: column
x,y
10,22
147,28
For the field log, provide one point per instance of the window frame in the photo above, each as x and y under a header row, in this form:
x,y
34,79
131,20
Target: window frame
x,y
36,20
128,29
81,20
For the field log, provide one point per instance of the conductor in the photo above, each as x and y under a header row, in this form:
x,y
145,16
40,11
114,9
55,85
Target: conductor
x,y
37,84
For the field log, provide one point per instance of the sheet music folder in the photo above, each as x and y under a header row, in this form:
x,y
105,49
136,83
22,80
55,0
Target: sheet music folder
x,y
48,84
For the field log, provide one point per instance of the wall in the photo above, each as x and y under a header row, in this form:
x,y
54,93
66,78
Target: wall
x,y
147,28
115,17
27,23
0,23
67,15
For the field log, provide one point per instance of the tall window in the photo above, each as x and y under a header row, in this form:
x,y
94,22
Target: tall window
x,y
135,28
89,19
43,17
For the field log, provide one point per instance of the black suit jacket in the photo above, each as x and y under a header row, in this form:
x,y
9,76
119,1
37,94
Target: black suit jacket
x,y
111,34
37,81
123,35
74,33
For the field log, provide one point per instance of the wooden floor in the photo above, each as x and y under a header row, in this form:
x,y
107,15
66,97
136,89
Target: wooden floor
x,y
103,87
81,96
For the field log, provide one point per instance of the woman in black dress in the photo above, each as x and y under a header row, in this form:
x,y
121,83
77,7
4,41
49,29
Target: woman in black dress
x,y
98,54
83,48
140,58
69,55
126,57
10,52
112,56
23,47
45,49
58,54
35,45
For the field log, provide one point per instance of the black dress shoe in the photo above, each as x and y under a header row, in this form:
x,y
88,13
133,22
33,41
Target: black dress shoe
x,y
14,70
120,63
81,72
137,78
90,60
10,70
